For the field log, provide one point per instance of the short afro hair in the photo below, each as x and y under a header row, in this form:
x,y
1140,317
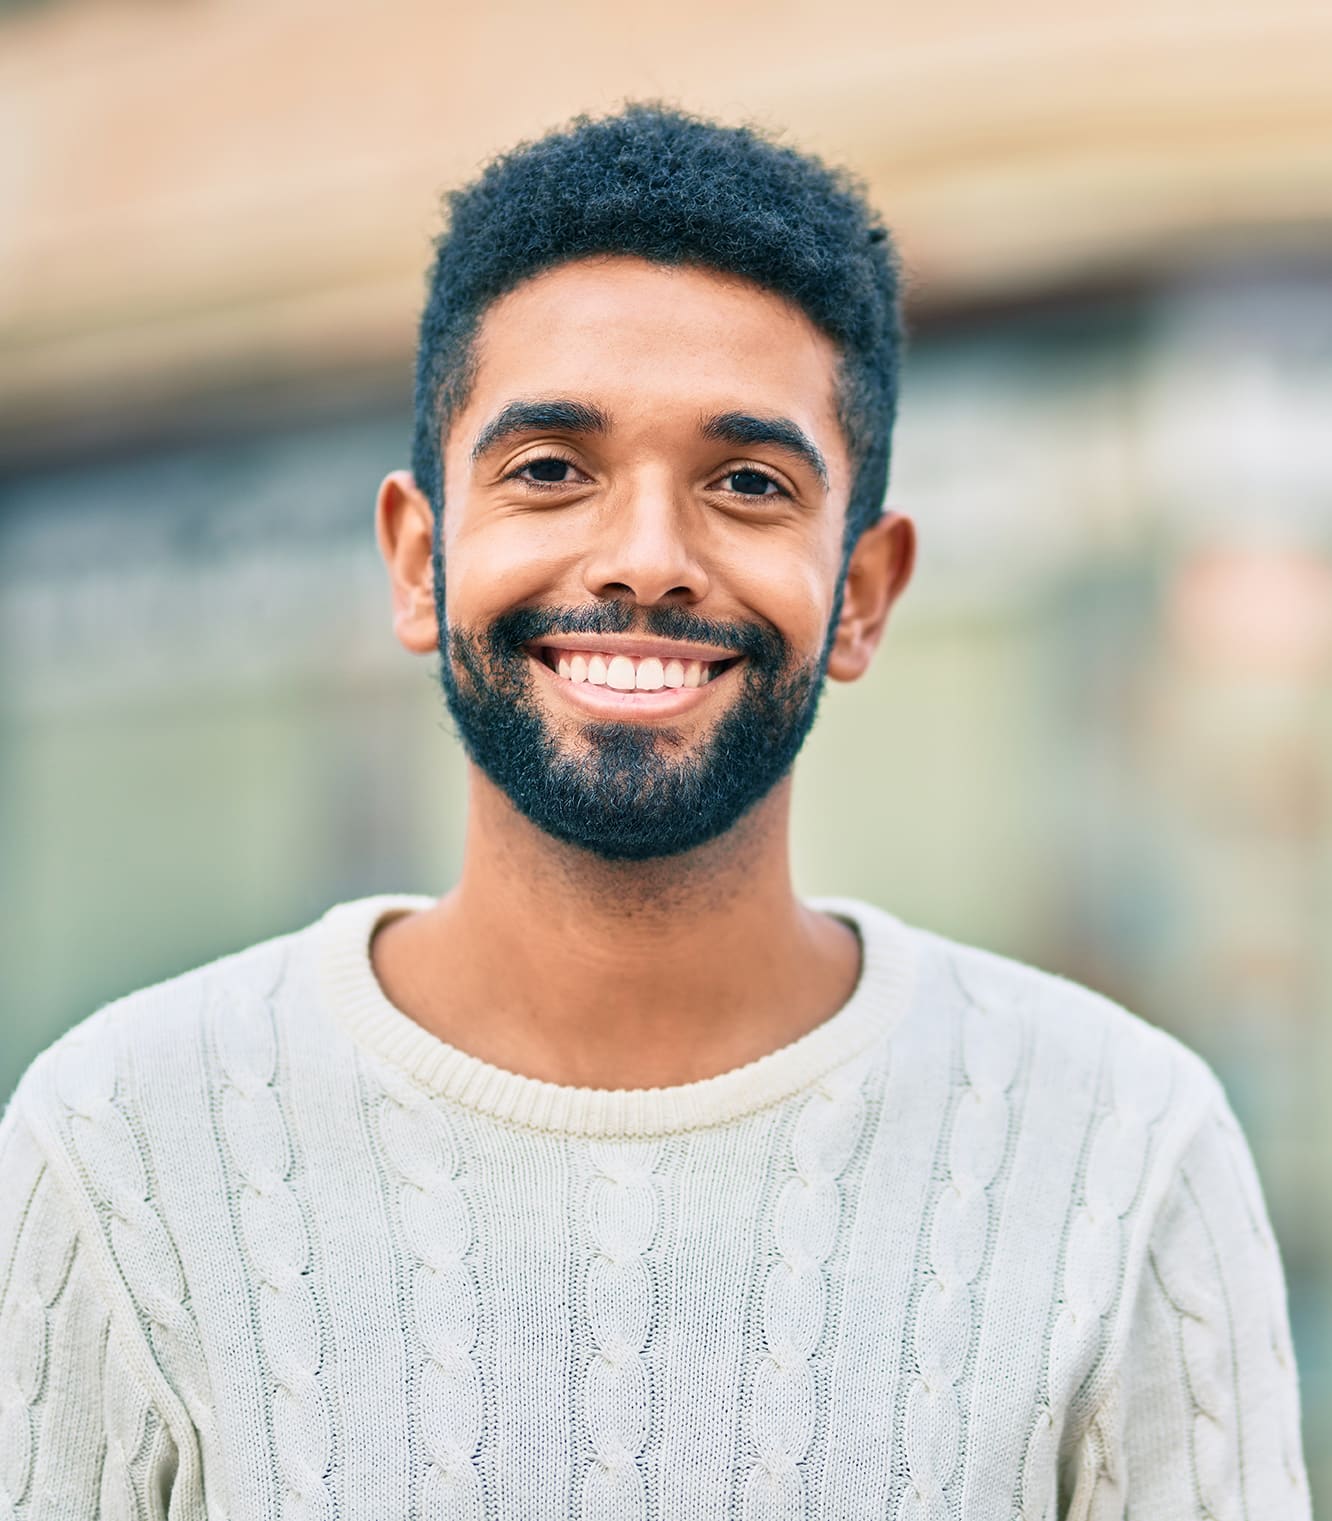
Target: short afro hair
x,y
673,188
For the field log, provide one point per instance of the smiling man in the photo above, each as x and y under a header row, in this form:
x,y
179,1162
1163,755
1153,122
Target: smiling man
x,y
619,1181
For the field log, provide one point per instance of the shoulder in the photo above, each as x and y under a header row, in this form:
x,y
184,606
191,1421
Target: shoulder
x,y
173,1011
1069,1045
1083,1027
150,1041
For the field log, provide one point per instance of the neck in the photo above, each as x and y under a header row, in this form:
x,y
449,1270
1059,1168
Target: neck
x,y
552,962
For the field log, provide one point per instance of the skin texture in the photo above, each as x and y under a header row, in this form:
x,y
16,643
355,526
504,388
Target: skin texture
x,y
546,959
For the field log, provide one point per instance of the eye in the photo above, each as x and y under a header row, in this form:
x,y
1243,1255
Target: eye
x,y
548,470
751,483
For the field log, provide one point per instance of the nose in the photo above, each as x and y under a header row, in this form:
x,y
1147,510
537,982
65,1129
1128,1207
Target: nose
x,y
646,549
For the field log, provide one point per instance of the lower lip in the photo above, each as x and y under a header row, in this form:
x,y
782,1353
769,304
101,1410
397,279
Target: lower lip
x,y
603,702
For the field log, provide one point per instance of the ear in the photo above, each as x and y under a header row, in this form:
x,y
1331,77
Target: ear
x,y
404,525
880,567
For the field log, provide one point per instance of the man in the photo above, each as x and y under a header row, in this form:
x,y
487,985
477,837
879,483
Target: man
x,y
620,1182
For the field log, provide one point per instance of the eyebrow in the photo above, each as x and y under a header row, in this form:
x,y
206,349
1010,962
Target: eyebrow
x,y
544,416
559,415
780,432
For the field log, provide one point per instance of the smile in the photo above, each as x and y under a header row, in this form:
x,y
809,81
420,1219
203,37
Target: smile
x,y
645,684
630,673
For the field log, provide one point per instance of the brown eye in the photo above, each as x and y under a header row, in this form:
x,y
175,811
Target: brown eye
x,y
751,483
549,471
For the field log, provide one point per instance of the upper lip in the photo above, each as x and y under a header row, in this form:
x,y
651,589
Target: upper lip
x,y
620,644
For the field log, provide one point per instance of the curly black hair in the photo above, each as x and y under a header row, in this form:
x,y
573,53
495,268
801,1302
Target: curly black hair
x,y
674,188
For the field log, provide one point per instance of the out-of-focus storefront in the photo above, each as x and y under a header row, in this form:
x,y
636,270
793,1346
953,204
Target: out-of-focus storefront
x,y
1099,735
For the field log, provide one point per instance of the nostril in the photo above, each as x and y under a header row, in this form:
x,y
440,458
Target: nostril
x,y
620,589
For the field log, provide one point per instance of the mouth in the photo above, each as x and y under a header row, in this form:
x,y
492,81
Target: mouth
x,y
619,671
642,680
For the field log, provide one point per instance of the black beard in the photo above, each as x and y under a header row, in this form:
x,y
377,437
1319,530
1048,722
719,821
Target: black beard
x,y
625,798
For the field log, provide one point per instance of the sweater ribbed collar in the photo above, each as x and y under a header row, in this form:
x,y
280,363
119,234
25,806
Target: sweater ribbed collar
x,y
356,1000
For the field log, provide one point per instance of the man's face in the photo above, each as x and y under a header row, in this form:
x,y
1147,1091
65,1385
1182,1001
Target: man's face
x,y
644,502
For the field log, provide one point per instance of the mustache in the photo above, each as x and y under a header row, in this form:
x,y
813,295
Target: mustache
x,y
762,644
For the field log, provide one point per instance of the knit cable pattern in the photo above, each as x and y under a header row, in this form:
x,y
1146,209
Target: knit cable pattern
x,y
621,1210
125,1417
807,1215
1190,1279
438,1230
41,1268
117,1175
1100,1495
1137,1083
945,1317
276,1239
787,1314
1285,1380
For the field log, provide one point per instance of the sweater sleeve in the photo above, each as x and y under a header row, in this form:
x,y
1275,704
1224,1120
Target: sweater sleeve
x,y
1203,1418
80,1436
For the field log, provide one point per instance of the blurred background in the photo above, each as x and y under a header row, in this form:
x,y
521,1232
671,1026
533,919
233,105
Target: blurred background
x,y
1099,735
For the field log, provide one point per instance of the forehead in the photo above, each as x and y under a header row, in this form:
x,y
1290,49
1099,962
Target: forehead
x,y
640,337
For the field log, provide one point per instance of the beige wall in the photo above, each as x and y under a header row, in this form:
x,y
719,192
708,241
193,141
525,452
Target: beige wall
x,y
212,193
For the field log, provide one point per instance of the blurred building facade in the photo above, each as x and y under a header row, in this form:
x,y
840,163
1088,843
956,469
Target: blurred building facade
x,y
1099,735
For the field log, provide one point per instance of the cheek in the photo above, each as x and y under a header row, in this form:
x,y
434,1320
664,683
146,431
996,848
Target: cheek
x,y
790,585
493,566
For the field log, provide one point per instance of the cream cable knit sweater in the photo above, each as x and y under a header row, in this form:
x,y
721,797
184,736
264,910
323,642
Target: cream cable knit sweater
x,y
982,1245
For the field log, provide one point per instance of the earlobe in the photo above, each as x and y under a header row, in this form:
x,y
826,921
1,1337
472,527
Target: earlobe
x,y
404,523
880,568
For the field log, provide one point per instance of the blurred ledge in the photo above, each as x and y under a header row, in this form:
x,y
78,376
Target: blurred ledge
x,y
166,379
209,205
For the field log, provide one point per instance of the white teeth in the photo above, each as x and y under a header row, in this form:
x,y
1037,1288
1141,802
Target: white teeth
x,y
620,674
627,673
